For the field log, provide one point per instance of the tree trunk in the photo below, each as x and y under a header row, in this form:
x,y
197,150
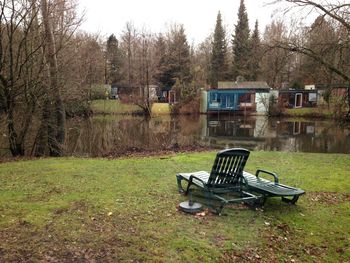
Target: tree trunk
x,y
16,147
348,98
56,125
42,136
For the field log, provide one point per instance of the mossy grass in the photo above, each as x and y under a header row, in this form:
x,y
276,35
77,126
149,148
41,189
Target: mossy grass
x,y
160,109
125,210
113,107
317,112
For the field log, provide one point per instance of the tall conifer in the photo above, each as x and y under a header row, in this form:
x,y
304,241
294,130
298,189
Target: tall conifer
x,y
241,47
114,60
176,61
218,63
255,57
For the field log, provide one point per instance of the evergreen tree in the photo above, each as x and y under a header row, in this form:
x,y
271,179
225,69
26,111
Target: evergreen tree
x,y
179,55
174,59
218,63
241,47
162,74
256,53
114,60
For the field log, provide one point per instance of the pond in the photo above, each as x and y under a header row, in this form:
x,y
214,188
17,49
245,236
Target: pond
x,y
112,135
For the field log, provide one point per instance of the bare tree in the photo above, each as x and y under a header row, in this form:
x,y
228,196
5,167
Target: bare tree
x,y
276,62
56,128
128,44
336,13
30,76
20,68
59,22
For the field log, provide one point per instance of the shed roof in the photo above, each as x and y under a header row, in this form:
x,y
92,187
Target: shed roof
x,y
243,85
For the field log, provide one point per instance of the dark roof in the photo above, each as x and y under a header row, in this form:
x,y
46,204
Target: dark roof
x,y
243,85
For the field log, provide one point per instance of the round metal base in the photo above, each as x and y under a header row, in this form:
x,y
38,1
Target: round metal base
x,y
194,208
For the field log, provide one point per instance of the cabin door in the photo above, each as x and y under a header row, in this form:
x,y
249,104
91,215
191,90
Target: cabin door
x,y
298,100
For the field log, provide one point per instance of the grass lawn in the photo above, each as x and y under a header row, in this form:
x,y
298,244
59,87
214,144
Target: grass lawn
x,y
160,109
125,210
309,112
112,107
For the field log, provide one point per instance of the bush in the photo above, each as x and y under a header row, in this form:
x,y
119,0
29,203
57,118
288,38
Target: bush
x,y
274,108
339,108
78,108
98,92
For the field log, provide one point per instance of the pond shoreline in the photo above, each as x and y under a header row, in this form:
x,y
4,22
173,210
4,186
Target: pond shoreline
x,y
128,154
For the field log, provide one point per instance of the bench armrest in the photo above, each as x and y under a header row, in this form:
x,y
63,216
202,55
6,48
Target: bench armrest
x,y
195,177
267,172
190,182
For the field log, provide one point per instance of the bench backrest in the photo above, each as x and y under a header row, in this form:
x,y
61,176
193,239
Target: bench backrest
x,y
228,167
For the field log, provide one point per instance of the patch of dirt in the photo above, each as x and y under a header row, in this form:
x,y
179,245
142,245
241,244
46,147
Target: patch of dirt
x,y
17,159
137,152
99,240
45,196
251,255
129,152
328,198
280,241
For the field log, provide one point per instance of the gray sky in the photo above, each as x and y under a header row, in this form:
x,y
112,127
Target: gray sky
x,y
110,16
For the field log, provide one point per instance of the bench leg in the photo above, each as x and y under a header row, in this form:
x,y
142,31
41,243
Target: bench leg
x,y
260,201
218,210
179,185
291,201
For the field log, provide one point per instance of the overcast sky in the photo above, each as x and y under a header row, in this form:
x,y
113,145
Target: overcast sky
x,y
198,16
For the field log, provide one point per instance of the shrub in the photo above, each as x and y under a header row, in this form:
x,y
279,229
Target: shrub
x,y
78,108
98,92
339,108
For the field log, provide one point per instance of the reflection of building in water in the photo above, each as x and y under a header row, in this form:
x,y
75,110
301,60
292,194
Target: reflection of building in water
x,y
102,135
260,133
295,128
237,127
235,131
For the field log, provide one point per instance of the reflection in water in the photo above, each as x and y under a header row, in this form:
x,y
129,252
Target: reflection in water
x,y
105,135
101,136
271,134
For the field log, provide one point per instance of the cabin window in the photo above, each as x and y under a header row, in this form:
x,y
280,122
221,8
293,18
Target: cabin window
x,y
214,97
214,101
312,97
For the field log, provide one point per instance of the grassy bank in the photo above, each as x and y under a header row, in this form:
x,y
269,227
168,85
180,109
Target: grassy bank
x,y
112,107
318,112
59,210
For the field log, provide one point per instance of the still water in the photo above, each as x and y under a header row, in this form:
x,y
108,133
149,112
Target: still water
x,y
110,135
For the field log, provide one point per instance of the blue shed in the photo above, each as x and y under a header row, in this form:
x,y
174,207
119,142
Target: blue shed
x,y
226,99
235,96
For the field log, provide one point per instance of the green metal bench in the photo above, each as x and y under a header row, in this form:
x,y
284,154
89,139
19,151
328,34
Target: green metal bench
x,y
226,177
271,189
